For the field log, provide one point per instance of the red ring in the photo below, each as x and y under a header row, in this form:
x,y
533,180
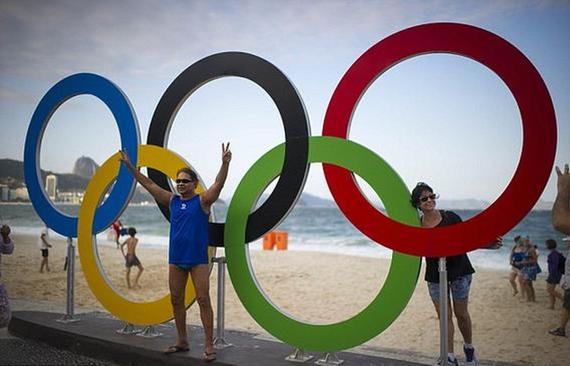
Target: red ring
x,y
538,150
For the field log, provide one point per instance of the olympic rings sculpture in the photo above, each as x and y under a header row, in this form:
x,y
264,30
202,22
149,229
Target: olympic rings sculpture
x,y
289,163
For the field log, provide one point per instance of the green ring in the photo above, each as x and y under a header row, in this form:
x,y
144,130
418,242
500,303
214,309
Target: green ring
x,y
404,269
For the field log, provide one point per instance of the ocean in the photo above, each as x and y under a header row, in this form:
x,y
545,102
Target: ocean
x,y
313,229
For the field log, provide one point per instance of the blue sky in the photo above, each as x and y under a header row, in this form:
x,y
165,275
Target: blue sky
x,y
439,118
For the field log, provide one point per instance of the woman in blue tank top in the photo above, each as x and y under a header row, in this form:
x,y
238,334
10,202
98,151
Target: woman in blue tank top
x,y
188,249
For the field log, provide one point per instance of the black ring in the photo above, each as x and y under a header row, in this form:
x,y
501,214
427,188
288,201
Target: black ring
x,y
295,123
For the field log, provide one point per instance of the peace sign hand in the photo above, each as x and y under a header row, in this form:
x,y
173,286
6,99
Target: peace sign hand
x,y
226,153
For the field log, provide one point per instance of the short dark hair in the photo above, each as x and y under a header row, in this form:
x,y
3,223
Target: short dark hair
x,y
550,244
188,171
132,231
417,192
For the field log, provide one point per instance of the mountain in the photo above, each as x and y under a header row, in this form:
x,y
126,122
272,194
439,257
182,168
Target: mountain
x,y
309,200
12,174
543,205
306,200
85,167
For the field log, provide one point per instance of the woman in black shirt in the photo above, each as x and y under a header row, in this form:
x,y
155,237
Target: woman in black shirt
x,y
459,274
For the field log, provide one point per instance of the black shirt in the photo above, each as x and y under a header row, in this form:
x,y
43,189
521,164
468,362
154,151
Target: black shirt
x,y
458,265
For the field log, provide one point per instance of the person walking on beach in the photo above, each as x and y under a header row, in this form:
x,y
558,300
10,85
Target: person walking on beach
x,y
561,222
188,247
459,271
131,258
6,247
519,255
44,245
555,267
117,227
515,258
530,269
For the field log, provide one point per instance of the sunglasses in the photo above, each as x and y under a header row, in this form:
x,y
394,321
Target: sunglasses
x,y
432,196
183,181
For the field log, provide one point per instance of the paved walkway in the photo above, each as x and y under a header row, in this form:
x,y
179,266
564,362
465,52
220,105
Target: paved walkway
x,y
37,338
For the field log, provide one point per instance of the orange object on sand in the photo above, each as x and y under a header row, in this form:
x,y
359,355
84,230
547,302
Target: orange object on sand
x,y
281,239
269,241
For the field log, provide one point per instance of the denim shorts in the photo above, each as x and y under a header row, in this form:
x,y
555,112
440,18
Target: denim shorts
x,y
459,288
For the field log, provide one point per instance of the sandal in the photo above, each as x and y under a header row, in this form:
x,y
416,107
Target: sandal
x,y
558,332
209,356
174,349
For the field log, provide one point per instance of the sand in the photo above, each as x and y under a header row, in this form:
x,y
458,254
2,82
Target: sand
x,y
319,288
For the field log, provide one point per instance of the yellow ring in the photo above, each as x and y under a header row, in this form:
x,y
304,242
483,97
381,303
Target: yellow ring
x,y
139,313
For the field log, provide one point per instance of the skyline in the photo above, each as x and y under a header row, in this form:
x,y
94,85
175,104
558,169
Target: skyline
x,y
438,118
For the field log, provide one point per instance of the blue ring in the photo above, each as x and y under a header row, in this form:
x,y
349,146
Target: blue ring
x,y
125,117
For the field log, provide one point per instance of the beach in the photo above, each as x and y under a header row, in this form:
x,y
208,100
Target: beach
x,y
317,288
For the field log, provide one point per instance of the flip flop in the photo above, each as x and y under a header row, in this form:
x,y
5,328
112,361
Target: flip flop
x,y
209,356
173,349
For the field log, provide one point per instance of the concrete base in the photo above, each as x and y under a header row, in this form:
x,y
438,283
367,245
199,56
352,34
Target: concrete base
x,y
94,335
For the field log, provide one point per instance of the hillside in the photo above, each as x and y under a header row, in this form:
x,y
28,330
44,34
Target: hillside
x,y
12,174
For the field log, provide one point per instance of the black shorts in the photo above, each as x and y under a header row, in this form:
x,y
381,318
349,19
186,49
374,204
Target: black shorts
x,y
566,303
45,253
553,279
131,260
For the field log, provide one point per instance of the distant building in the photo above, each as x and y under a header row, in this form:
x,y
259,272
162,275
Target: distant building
x,y
70,197
4,192
19,194
51,187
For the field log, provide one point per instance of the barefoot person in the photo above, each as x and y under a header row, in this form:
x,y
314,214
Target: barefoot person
x,y
44,245
561,222
515,258
117,227
459,271
188,248
6,247
131,258
554,272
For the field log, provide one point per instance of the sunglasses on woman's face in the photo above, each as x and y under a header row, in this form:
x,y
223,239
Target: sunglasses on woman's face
x,y
432,197
183,181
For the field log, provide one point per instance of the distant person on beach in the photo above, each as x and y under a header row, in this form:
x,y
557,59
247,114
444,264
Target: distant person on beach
x,y
561,222
188,248
555,268
6,247
515,258
530,269
459,272
561,330
44,246
131,258
519,256
116,227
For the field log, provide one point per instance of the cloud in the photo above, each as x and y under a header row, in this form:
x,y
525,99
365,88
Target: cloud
x,y
11,95
148,38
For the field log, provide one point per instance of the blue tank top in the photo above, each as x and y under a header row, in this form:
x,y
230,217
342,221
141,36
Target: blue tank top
x,y
188,232
519,256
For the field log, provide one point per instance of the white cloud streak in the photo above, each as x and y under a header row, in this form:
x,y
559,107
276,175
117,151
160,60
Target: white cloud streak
x,y
137,38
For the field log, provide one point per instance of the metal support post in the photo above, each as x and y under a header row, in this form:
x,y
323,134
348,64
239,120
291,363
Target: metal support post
x,y
443,304
149,332
329,359
219,340
298,356
128,329
68,317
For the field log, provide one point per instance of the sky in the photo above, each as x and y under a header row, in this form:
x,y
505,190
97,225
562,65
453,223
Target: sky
x,y
439,118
